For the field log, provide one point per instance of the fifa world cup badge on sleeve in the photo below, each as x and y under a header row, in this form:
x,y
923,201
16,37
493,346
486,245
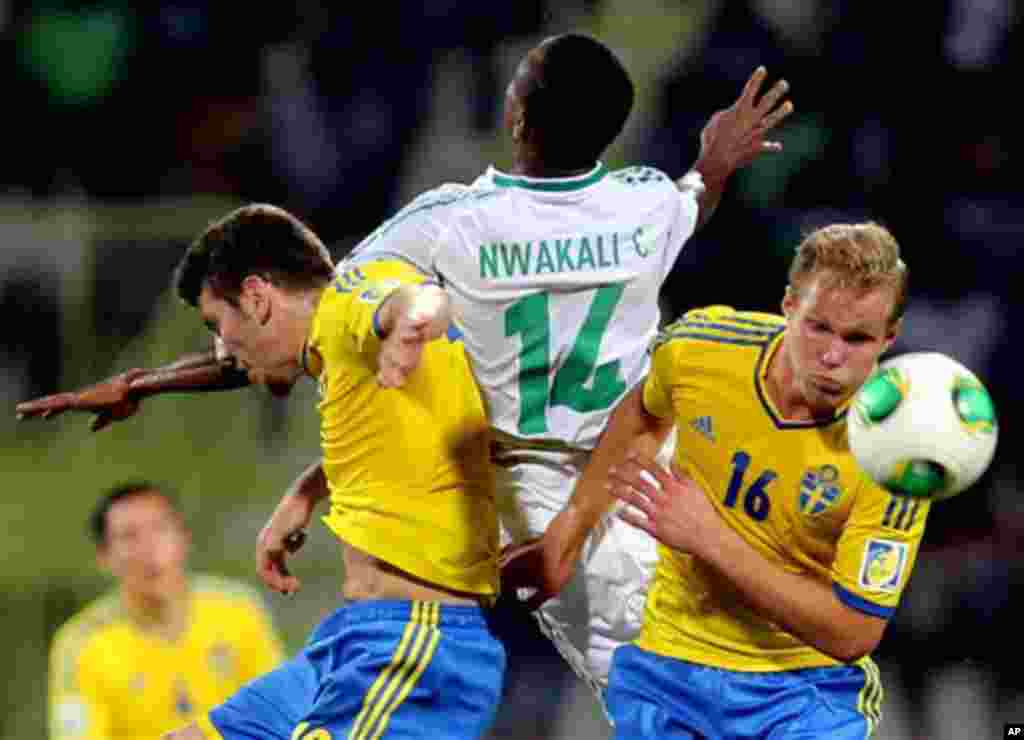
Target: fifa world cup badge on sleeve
x,y
72,717
882,566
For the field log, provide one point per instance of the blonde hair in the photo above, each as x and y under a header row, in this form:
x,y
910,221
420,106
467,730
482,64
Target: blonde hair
x,y
862,256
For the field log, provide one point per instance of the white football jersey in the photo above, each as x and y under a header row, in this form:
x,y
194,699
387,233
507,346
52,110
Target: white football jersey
x,y
554,284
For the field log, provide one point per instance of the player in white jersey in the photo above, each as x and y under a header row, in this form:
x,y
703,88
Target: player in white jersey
x,y
554,269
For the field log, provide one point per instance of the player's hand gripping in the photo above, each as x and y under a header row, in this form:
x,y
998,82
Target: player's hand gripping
x,y
110,400
283,535
669,506
536,570
416,315
735,136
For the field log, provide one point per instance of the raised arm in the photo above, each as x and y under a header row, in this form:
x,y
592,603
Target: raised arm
x,y
735,137
118,397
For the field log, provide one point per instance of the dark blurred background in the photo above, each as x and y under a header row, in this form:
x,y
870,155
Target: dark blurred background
x,y
128,127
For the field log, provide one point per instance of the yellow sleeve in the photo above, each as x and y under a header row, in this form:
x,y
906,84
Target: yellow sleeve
x,y
877,550
657,386
346,320
76,706
259,648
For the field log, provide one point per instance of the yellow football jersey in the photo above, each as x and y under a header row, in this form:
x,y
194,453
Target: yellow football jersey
x,y
110,680
408,468
791,489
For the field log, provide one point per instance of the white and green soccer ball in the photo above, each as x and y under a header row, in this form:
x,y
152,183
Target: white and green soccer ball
x,y
923,425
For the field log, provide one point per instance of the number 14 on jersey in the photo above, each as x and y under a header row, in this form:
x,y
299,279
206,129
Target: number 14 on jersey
x,y
577,384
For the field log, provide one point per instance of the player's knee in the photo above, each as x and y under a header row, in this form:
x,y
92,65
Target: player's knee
x,y
191,732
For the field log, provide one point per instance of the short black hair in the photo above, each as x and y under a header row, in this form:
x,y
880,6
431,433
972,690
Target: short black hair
x,y
128,489
257,239
580,103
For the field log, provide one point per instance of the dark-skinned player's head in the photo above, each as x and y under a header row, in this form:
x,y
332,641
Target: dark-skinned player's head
x,y
569,99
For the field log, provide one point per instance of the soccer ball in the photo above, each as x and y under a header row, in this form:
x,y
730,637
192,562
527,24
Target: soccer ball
x,y
923,425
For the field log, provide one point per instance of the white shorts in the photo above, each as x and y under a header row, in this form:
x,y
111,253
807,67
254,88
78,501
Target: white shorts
x,y
602,606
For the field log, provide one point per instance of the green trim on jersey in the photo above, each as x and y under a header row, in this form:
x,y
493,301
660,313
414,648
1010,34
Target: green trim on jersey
x,y
551,184
639,175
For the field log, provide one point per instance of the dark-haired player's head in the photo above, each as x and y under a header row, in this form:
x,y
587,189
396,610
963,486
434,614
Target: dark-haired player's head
x,y
257,239
569,99
141,539
247,274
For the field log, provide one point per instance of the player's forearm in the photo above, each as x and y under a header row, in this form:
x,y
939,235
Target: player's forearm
x,y
191,360
196,373
630,427
310,485
713,177
804,606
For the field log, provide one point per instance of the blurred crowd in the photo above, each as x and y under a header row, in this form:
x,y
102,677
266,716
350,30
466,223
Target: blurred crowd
x,y
905,115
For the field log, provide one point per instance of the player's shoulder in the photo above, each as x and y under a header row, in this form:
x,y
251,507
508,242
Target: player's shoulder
x,y
641,178
451,196
723,327
351,273
96,621
209,589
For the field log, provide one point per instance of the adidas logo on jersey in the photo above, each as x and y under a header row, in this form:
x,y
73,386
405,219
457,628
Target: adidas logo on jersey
x,y
702,424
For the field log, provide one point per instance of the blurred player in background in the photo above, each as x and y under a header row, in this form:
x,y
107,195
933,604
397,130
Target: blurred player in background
x,y
411,653
166,646
781,560
554,270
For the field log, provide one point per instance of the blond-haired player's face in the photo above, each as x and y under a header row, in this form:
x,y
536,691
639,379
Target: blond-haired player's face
x,y
146,544
834,337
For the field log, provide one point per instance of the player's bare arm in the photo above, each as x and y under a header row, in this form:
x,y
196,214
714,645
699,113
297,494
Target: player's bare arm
x,y
119,397
410,317
284,533
677,512
548,563
736,136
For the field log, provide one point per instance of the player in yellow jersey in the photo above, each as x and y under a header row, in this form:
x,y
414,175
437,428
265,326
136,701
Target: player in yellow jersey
x,y
780,561
165,647
407,475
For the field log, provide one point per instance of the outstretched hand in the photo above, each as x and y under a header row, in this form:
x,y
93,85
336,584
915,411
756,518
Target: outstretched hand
x,y
736,136
110,400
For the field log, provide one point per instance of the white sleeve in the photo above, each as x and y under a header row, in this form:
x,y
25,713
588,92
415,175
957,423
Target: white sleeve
x,y
414,233
683,217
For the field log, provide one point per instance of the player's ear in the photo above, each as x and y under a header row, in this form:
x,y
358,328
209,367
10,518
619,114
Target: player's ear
x,y
894,331
789,301
254,298
103,558
517,129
